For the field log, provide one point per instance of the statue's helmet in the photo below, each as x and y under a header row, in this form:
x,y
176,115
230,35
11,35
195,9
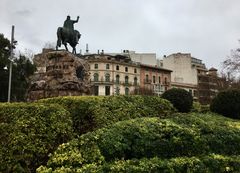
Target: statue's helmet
x,y
68,17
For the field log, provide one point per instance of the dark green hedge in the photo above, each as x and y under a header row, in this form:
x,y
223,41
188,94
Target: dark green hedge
x,y
189,135
89,112
29,132
181,99
227,103
204,164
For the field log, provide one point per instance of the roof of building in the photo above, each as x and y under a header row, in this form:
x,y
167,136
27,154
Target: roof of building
x,y
155,67
212,69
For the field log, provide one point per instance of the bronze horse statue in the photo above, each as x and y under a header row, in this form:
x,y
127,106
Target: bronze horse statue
x,y
65,37
67,34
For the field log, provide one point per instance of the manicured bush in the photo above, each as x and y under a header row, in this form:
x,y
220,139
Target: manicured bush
x,y
181,99
191,135
210,163
227,103
29,132
90,113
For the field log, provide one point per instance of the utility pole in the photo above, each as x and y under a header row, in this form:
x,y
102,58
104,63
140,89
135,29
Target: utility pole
x,y
10,68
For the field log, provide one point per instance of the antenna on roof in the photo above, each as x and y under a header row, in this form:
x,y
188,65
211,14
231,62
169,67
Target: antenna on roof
x,y
87,50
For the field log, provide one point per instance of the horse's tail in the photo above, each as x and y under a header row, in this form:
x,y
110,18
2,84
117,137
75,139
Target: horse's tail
x,y
59,36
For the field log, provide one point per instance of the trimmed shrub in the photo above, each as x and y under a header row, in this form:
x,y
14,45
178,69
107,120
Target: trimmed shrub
x,y
90,113
227,103
210,163
181,99
29,132
181,136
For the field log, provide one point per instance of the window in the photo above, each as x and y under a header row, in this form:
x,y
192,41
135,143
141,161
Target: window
x,y
117,67
126,79
154,79
135,81
135,70
126,69
96,90
107,77
95,66
107,66
117,90
107,90
117,79
159,79
126,91
147,78
165,80
95,77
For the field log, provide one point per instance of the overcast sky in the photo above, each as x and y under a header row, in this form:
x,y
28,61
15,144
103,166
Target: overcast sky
x,y
208,29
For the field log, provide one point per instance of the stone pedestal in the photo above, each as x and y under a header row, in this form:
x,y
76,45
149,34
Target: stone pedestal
x,y
59,73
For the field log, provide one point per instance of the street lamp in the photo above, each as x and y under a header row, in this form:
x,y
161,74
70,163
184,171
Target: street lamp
x,y
10,67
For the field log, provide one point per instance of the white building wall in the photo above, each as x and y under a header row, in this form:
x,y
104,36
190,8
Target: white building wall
x,y
183,71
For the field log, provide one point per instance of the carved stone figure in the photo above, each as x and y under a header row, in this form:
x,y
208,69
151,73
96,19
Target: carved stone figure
x,y
67,34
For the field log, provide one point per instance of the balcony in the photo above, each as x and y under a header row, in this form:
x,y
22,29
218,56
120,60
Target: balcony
x,y
147,81
114,82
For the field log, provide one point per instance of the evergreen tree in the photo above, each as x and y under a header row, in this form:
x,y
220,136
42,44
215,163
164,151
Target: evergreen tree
x,y
22,69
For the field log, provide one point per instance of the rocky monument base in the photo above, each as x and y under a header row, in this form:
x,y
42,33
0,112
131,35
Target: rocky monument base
x,y
59,73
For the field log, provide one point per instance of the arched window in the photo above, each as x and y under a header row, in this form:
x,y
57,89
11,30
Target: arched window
x,y
154,79
126,79
165,80
107,77
117,79
126,69
135,81
95,77
159,79
147,78
126,91
117,67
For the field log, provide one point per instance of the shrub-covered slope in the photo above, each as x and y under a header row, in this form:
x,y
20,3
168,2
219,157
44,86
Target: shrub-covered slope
x,y
191,142
90,113
29,132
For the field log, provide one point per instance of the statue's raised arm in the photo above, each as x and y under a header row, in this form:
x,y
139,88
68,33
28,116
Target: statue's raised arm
x,y
76,20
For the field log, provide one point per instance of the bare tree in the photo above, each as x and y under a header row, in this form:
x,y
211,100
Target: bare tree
x,y
49,45
232,63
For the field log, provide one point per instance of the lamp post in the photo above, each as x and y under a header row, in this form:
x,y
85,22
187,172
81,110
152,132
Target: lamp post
x,y
10,67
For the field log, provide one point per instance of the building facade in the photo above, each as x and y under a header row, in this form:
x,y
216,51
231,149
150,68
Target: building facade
x,y
185,71
209,85
113,75
154,79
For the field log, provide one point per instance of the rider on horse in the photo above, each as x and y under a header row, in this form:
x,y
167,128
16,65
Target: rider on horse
x,y
67,34
68,27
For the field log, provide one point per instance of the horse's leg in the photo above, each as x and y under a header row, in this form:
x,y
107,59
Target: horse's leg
x,y
65,44
59,36
74,50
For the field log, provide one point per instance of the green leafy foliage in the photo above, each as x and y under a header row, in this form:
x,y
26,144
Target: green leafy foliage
x,y
29,132
175,144
227,103
181,99
90,113
22,69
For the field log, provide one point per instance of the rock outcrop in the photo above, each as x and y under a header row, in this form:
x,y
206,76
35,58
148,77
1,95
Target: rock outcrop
x,y
59,73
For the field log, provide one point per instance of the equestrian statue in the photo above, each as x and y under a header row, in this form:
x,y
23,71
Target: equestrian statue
x,y
67,34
